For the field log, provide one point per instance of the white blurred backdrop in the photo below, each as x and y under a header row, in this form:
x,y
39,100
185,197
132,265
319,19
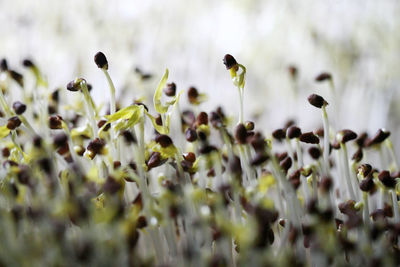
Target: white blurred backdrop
x,y
357,41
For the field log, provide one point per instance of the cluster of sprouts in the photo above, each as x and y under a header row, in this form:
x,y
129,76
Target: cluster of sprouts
x,y
132,186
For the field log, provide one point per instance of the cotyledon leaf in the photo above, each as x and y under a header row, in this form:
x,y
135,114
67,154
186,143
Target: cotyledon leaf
x,y
4,131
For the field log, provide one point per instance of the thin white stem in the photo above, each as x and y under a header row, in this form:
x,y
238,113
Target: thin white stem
x,y
346,169
89,107
326,138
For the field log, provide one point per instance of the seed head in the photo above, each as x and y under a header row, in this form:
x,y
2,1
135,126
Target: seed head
x,y
386,179
229,61
346,135
202,119
3,65
191,135
317,101
241,134
101,61
164,140
170,90
19,107
378,138
55,122
129,137
367,184
314,152
193,94
96,146
279,134
323,77
17,77
13,123
293,132
28,63
75,85
309,138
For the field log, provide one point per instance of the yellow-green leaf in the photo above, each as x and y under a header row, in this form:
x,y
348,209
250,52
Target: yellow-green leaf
x,y
158,94
4,131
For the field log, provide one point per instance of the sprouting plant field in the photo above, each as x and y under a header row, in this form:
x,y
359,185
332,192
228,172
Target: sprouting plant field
x,y
151,184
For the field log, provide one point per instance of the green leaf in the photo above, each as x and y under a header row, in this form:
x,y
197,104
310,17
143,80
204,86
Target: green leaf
x,y
4,131
158,94
124,114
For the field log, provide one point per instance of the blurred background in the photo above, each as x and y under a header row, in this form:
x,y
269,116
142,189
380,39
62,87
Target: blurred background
x,y
356,41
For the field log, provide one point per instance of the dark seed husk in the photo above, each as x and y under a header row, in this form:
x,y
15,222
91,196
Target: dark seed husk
x,y
229,61
317,101
101,60
309,138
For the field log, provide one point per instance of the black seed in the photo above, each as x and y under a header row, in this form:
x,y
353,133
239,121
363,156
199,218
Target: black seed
x,y
13,123
281,156
326,184
190,156
128,137
323,76
314,152
17,77
309,138
202,119
164,140
101,60
249,125
365,169
55,96
37,141
24,175
257,142
158,120
28,63
386,179
193,94
229,61
216,120
378,138
202,136
96,146
294,179
279,134
286,164
358,155
317,101
55,122
259,159
191,135
170,90
293,132
5,152
361,139
234,165
207,149
60,140
141,222
347,135
240,133
154,160
74,85
46,165
111,186
367,184
3,65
